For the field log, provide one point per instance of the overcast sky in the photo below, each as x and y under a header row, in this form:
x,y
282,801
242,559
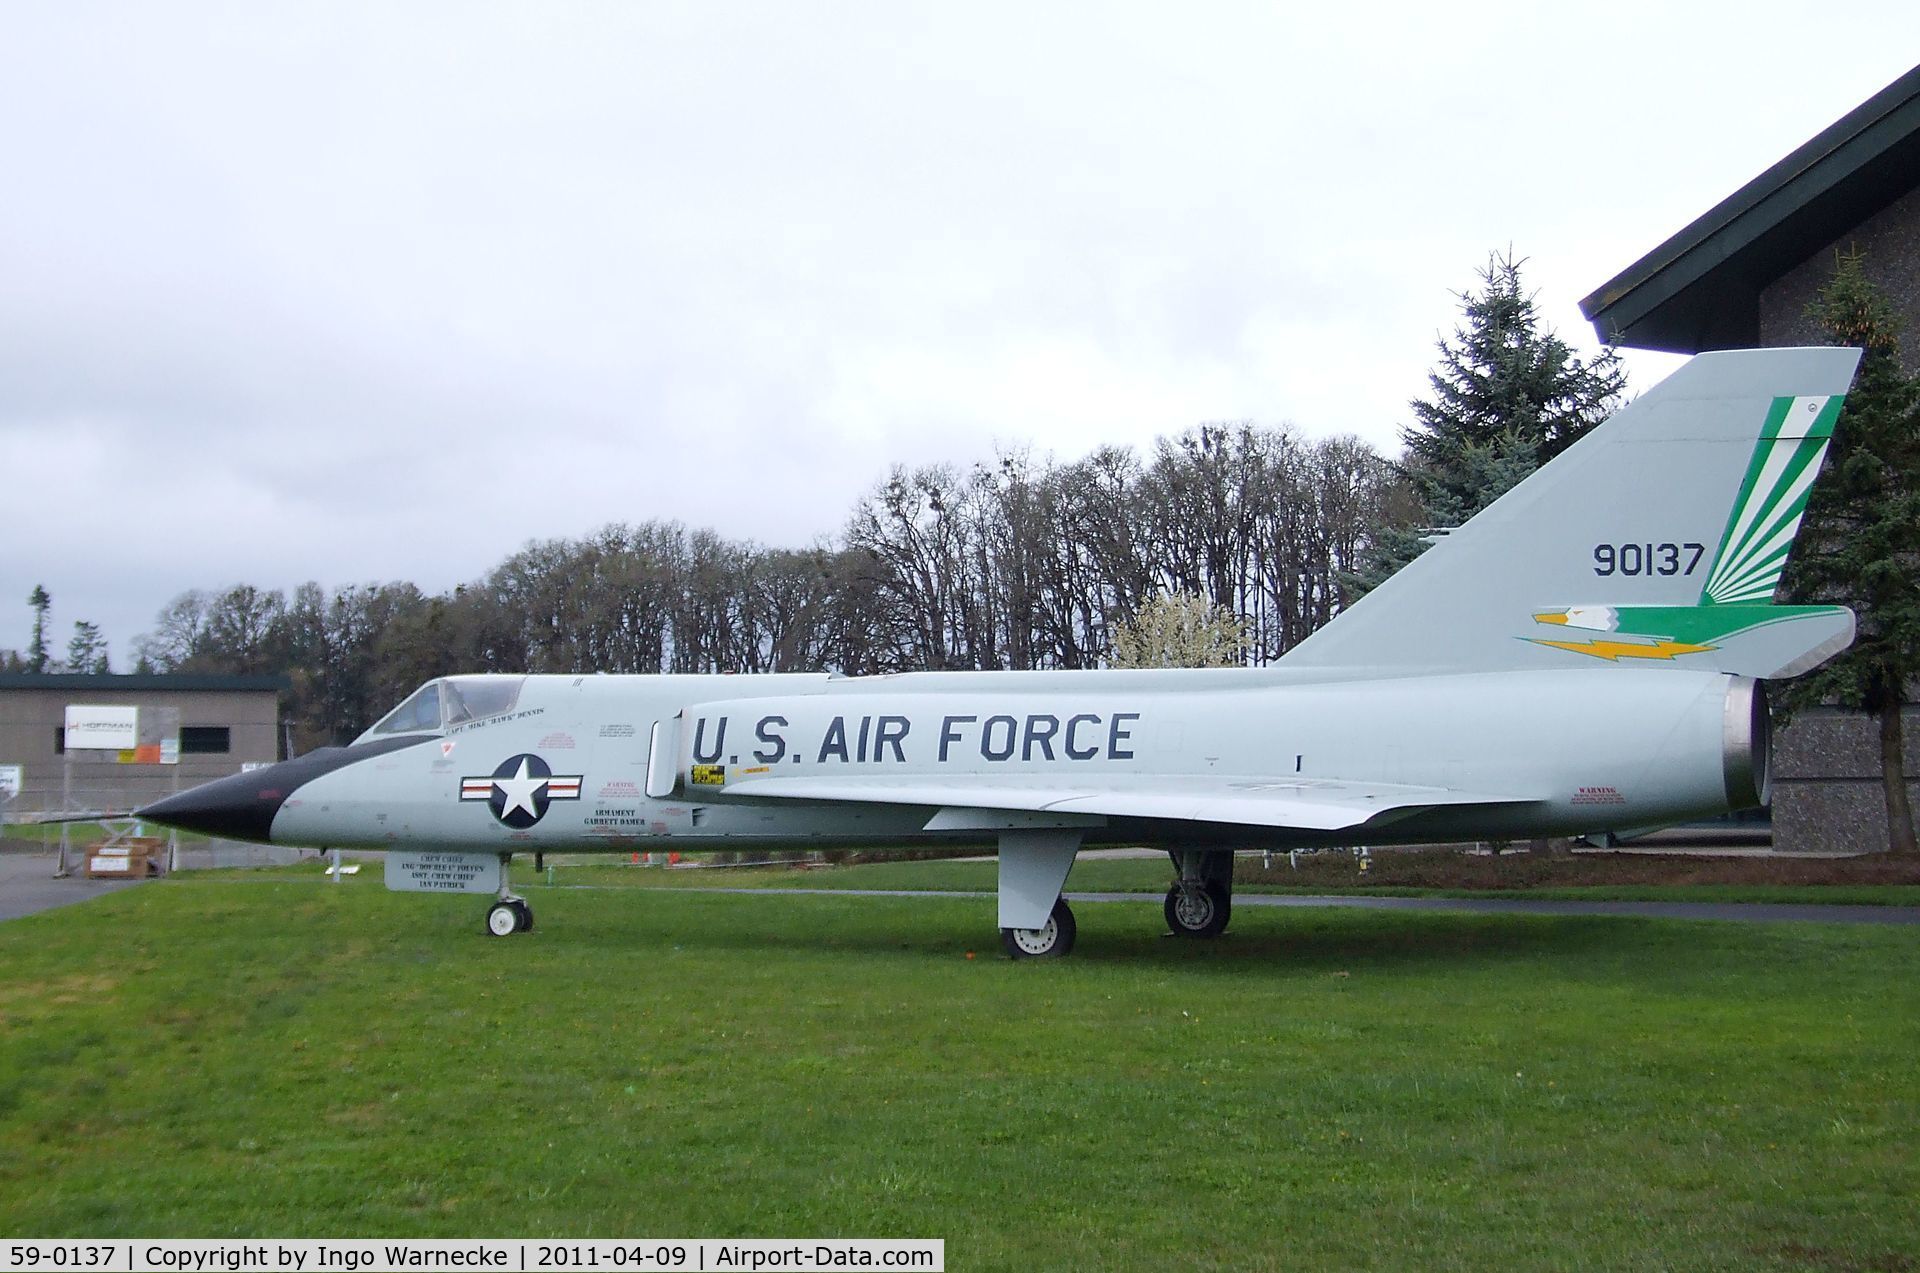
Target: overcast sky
x,y
355,293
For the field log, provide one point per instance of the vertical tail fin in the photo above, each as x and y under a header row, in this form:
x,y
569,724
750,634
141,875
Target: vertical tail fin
x,y
1658,538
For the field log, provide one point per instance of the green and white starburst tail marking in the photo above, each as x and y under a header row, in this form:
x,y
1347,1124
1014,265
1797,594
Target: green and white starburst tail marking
x,y
1753,548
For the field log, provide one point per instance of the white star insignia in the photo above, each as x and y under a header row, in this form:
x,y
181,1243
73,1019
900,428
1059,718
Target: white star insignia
x,y
520,791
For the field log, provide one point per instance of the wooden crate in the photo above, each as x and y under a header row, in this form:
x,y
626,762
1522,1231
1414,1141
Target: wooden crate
x,y
121,862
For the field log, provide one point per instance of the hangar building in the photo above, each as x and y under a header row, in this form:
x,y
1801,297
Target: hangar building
x,y
223,721
1742,275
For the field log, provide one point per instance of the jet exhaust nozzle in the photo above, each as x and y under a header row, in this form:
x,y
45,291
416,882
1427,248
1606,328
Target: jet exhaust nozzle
x,y
1746,744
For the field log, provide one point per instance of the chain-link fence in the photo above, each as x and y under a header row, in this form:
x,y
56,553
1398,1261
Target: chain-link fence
x,y
218,854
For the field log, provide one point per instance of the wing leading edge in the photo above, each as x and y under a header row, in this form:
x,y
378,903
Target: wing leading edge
x,y
1303,804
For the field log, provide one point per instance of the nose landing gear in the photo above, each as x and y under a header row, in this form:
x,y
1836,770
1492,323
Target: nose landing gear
x,y
508,916
511,913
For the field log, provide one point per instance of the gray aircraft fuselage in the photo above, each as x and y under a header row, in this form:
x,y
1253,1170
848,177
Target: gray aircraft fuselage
x,y
1582,749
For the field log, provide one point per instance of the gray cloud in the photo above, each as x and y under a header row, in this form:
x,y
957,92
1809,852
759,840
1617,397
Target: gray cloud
x,y
370,292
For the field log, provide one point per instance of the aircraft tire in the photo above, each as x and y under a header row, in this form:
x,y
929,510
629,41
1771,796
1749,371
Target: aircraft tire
x,y
503,920
1051,942
523,914
1200,913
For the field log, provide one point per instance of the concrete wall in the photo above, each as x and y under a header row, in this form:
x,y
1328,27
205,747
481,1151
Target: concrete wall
x,y
1890,243
31,718
1827,796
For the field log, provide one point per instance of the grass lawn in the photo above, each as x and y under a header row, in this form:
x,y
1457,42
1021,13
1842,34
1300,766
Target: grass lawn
x,y
219,1056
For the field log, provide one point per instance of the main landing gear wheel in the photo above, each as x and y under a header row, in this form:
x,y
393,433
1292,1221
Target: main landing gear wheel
x,y
1050,941
1198,909
509,916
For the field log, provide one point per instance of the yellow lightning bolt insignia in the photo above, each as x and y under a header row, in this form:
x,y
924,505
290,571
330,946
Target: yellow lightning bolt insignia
x,y
1614,651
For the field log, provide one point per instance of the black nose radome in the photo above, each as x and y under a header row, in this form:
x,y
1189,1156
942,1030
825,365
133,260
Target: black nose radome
x,y
242,807
236,808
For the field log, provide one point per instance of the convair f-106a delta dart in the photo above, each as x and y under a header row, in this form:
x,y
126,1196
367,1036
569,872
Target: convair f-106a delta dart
x,y
1584,655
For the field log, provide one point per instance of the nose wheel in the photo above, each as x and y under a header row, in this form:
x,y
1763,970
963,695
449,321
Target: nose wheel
x,y
508,916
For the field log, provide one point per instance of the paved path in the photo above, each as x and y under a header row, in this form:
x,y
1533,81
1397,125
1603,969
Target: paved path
x,y
27,885
1762,912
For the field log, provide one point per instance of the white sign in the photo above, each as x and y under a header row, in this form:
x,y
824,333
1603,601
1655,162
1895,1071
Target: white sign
x,y
437,871
10,780
103,728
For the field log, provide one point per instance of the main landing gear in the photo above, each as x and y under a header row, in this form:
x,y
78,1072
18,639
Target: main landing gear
x,y
511,913
1050,941
1200,902
1035,920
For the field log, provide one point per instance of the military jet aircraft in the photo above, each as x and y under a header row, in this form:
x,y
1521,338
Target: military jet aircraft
x,y
1583,655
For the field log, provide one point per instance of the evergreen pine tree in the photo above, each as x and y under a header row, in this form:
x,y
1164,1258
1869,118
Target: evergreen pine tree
x,y
1860,539
1507,396
37,648
1481,474
87,651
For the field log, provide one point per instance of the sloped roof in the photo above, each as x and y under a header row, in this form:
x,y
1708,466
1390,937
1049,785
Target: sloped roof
x,y
136,682
1700,289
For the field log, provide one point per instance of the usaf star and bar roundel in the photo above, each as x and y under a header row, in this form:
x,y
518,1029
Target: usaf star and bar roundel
x,y
519,791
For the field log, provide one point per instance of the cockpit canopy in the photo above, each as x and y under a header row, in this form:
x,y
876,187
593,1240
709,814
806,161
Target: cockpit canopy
x,y
451,700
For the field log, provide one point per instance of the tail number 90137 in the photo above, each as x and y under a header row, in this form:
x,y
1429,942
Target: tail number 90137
x,y
1647,559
